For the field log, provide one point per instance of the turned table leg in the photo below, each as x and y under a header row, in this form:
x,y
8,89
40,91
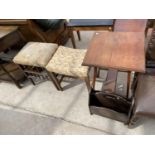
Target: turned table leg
x,y
94,77
128,84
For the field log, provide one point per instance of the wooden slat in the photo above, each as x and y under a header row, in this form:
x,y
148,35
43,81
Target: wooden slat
x,y
88,28
111,80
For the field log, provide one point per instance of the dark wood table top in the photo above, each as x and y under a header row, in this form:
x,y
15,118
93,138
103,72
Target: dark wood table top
x,y
117,50
5,30
11,22
130,25
9,36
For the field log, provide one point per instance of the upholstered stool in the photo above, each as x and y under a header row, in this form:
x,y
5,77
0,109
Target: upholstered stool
x,y
67,61
33,58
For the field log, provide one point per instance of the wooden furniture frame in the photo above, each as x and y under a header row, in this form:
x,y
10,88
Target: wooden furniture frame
x,y
116,50
131,25
9,37
110,105
37,75
144,98
66,62
86,28
9,74
32,32
59,80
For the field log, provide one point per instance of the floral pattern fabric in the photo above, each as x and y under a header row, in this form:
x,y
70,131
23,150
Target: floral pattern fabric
x,y
68,61
35,54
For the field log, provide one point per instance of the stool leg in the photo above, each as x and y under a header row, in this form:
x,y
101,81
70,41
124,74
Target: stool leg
x,y
12,78
26,75
54,80
78,34
32,81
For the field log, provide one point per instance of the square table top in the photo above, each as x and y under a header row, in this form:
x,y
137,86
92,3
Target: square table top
x,y
5,30
117,50
130,25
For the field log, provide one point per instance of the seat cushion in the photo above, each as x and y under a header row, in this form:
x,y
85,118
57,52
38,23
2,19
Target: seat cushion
x,y
90,22
35,54
68,61
145,96
47,24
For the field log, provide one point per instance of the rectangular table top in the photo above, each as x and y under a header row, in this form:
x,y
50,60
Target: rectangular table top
x,y
130,25
117,50
9,36
5,30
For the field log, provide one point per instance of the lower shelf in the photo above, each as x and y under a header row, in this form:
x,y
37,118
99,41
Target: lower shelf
x,y
109,106
105,112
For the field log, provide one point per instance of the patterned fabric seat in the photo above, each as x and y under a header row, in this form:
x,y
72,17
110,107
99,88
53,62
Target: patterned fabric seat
x,y
68,61
35,54
33,58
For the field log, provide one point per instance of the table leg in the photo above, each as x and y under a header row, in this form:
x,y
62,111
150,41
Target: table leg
x,y
78,34
128,83
94,77
71,35
98,73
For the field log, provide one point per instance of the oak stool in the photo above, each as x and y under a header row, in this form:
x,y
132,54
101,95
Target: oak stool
x,y
68,62
33,58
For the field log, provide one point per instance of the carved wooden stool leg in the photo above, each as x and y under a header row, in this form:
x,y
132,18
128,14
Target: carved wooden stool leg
x,y
26,74
54,80
11,77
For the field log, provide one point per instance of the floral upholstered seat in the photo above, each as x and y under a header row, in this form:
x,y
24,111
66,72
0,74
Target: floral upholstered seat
x,y
33,58
35,54
68,61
